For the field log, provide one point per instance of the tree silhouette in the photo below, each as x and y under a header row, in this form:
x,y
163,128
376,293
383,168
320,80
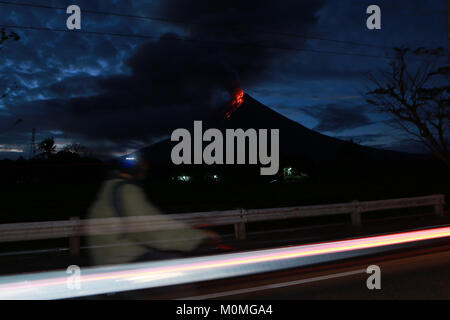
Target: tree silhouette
x,y
5,37
47,147
415,93
75,148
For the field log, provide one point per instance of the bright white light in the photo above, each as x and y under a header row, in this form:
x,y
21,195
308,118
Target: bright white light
x,y
184,178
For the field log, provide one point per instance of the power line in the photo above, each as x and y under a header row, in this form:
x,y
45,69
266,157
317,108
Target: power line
x,y
207,42
168,20
175,21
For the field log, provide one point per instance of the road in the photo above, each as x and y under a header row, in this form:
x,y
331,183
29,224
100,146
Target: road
x,y
419,277
416,269
422,274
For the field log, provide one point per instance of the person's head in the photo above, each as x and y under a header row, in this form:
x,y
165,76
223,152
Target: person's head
x,y
133,166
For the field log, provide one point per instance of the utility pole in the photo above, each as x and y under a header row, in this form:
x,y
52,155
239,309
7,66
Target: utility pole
x,y
32,146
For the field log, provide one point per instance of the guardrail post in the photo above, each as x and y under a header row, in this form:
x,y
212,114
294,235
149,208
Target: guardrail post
x,y
239,228
74,240
439,207
356,214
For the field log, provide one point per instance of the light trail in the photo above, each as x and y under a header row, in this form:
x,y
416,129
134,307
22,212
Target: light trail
x,y
100,280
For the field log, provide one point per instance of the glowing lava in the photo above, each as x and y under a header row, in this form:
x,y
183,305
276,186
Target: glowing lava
x,y
238,99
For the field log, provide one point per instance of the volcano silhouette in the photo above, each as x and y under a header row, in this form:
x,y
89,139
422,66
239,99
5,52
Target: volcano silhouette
x,y
296,141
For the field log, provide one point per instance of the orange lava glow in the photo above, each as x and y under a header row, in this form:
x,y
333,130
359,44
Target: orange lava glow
x,y
238,99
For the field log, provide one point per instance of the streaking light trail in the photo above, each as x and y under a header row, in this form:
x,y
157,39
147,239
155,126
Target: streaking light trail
x,y
100,280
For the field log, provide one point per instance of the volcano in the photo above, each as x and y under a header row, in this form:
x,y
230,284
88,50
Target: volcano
x,y
296,141
313,168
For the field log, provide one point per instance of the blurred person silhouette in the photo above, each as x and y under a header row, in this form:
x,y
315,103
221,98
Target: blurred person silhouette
x,y
121,196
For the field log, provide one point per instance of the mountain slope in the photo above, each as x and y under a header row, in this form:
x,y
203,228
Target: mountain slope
x,y
295,140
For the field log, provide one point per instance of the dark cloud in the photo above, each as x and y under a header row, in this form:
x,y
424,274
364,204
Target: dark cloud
x,y
336,118
386,141
221,50
168,82
365,139
119,91
404,145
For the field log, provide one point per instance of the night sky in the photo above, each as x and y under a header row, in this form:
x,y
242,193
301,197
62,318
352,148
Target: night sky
x,y
116,94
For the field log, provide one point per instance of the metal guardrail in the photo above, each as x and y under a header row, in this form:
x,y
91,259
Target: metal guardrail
x,y
76,228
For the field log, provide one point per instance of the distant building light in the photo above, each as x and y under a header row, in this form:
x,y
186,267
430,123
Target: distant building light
x,y
288,171
212,177
184,178
130,158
